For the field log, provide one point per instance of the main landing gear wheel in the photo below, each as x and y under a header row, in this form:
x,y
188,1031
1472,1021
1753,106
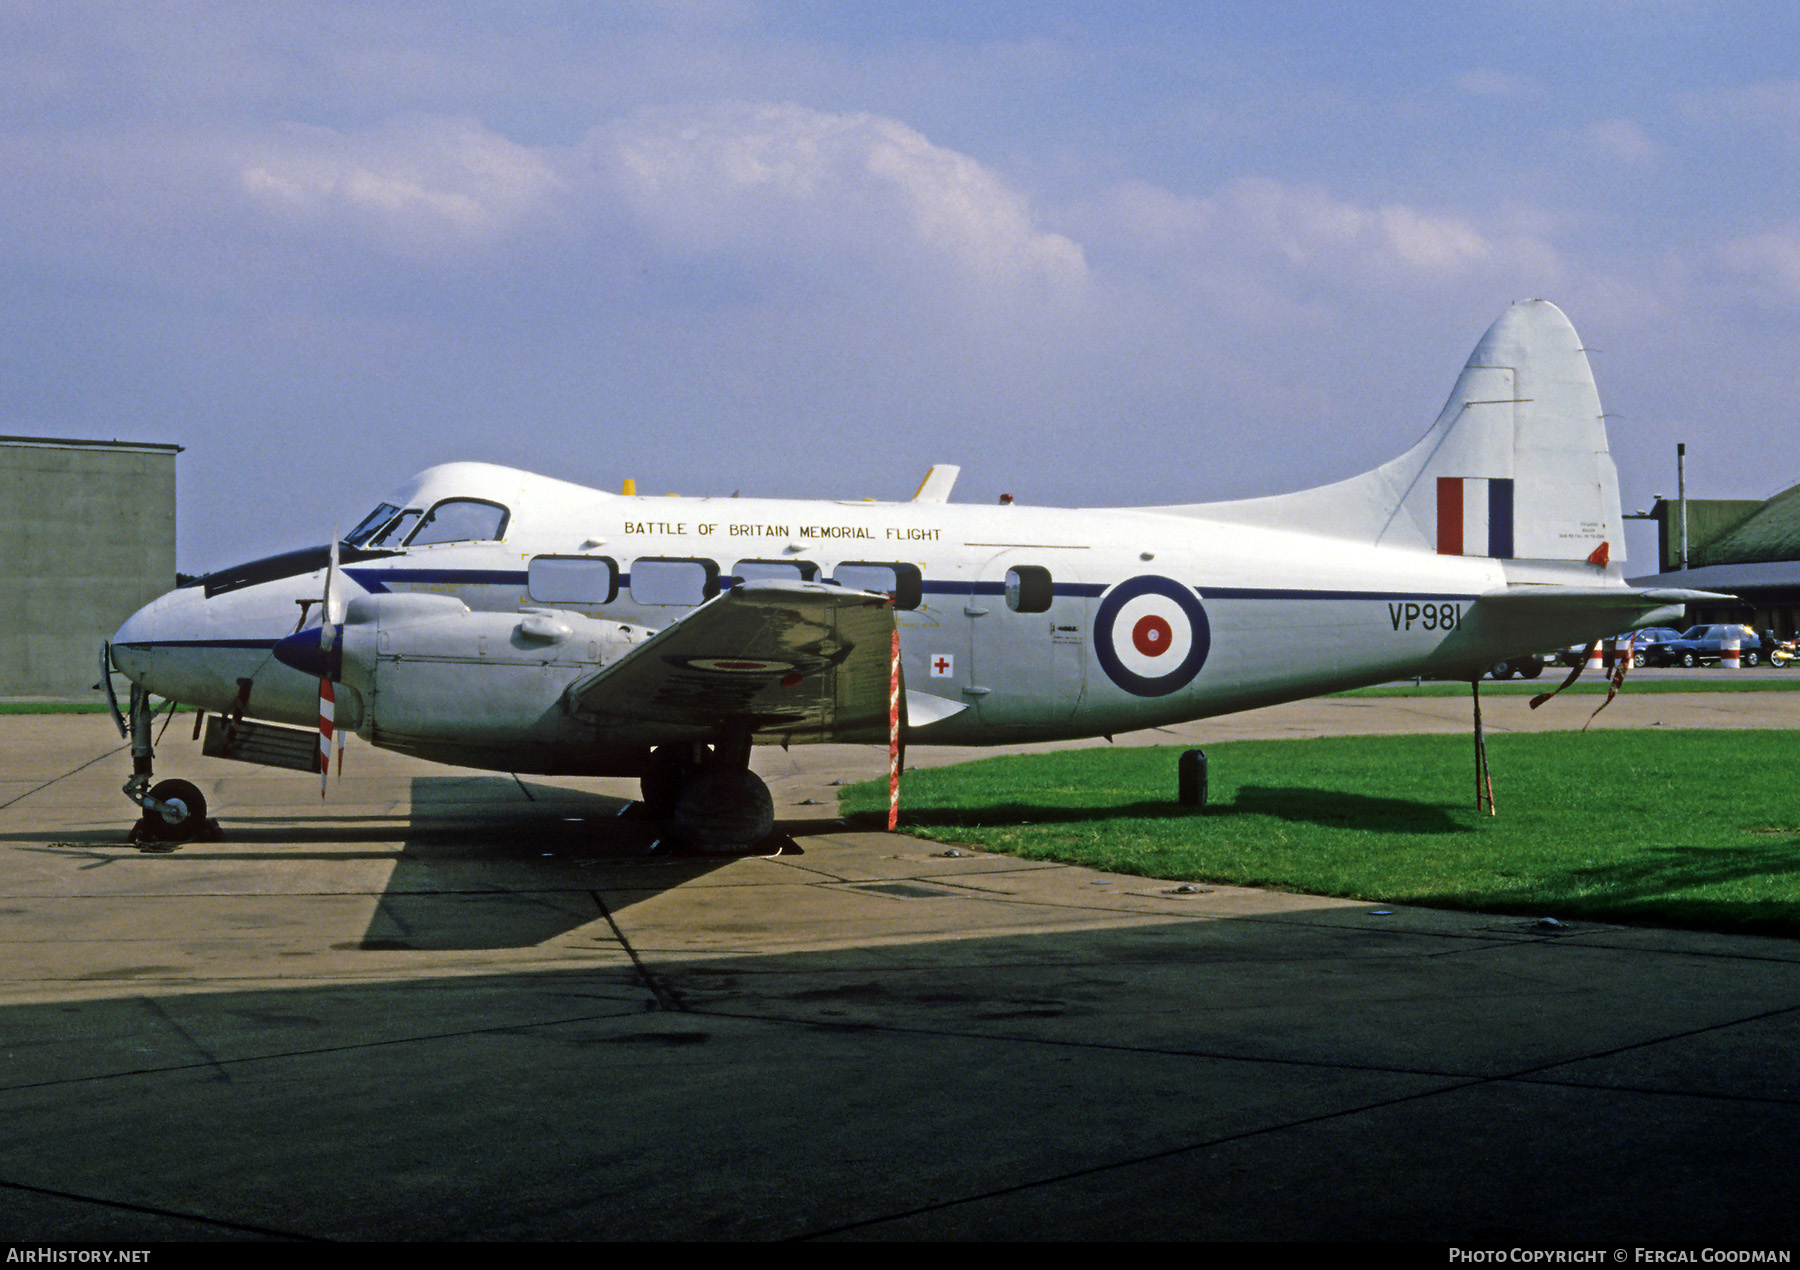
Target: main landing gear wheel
x,y
724,809
710,799
182,819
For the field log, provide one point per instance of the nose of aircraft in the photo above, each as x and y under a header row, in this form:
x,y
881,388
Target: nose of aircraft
x,y
147,648
200,650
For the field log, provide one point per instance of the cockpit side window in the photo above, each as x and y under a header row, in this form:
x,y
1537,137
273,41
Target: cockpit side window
x,y
461,520
370,523
396,530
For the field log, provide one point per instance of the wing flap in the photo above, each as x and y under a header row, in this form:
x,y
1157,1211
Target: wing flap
x,y
800,660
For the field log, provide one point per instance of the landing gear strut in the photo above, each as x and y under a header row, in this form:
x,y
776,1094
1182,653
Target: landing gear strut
x,y
174,810
710,797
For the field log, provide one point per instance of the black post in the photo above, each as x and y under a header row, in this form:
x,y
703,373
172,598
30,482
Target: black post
x,y
1190,770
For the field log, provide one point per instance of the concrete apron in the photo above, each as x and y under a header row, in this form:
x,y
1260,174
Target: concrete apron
x,y
455,1005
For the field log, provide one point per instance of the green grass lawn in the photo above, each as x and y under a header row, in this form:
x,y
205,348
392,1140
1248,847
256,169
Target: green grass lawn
x,y
1663,828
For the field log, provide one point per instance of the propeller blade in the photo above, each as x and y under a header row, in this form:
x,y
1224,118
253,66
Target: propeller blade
x,y
331,605
330,616
327,725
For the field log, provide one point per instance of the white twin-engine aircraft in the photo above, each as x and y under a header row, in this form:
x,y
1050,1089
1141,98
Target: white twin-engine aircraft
x,y
492,618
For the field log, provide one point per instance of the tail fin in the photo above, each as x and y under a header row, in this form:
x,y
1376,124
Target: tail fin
x,y
1516,466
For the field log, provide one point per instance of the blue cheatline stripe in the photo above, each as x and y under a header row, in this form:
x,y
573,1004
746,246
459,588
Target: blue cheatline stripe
x,y
259,644
1500,518
1289,593
375,580
1081,590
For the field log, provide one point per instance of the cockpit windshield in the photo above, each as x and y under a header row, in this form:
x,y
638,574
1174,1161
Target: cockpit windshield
x,y
397,529
373,521
461,520
449,520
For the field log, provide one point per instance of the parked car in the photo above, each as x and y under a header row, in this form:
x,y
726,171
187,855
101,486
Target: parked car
x,y
1644,650
1652,643
1701,644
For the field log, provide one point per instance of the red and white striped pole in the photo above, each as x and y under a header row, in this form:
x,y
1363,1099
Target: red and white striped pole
x,y
1729,656
894,734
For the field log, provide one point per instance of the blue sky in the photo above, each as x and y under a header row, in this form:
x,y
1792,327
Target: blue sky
x,y
1100,255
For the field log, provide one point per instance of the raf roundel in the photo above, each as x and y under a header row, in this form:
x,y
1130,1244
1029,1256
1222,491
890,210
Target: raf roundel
x,y
1151,636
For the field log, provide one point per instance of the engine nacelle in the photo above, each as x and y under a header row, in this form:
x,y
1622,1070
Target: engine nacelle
x,y
425,670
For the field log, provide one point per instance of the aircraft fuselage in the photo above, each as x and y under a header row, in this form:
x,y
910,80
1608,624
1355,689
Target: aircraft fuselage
x,y
1016,623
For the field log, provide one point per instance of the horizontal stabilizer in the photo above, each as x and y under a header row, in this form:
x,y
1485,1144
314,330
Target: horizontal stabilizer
x,y
1530,598
1544,615
802,660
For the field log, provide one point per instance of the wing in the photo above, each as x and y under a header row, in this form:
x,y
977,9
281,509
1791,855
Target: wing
x,y
801,660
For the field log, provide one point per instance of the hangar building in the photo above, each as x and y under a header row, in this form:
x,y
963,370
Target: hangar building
x,y
89,534
1742,547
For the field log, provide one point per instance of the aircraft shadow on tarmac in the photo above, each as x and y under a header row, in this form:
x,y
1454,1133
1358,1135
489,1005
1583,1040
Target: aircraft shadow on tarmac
x,y
483,867
479,861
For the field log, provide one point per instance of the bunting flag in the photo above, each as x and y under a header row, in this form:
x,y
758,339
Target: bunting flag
x,y
1622,659
1575,674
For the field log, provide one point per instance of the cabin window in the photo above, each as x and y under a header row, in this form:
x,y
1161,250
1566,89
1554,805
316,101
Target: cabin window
x,y
397,529
775,570
661,580
902,581
461,520
573,579
370,523
1028,589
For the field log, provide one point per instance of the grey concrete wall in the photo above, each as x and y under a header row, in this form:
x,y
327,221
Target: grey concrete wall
x,y
87,536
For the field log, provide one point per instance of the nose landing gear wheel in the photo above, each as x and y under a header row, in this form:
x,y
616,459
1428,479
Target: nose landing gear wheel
x,y
182,820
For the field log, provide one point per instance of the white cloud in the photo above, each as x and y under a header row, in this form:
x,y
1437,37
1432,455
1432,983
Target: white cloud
x,y
423,184
1770,262
809,192
1305,230
1623,140
761,178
